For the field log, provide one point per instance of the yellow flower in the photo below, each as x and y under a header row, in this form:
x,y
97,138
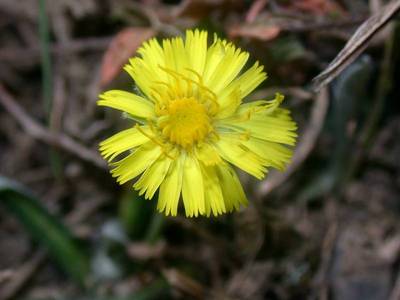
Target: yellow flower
x,y
192,125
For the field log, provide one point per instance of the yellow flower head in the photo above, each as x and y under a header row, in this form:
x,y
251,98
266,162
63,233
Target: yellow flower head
x,y
192,125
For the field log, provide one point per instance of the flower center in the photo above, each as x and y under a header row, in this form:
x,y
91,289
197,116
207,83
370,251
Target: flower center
x,y
186,122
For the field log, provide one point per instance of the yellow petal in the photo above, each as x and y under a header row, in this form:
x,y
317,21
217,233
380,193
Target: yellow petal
x,y
229,105
153,177
263,107
196,47
145,76
245,83
230,148
127,102
276,127
192,188
207,154
227,68
273,154
153,57
170,189
121,142
180,55
231,188
136,162
215,54
213,197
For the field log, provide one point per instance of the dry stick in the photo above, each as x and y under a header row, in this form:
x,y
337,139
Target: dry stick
x,y
184,283
395,293
33,53
254,10
305,146
22,275
5,275
41,133
321,279
357,44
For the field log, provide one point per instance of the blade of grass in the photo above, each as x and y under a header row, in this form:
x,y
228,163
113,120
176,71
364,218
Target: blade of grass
x,y
47,80
45,229
135,214
156,225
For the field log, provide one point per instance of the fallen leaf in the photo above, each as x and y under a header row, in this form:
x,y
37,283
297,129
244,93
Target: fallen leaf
x,y
198,9
122,47
260,32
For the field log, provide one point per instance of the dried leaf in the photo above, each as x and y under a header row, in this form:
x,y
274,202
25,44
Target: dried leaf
x,y
260,32
357,43
197,9
122,47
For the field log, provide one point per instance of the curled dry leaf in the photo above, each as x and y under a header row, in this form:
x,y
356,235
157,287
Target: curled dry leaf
x,y
121,48
259,32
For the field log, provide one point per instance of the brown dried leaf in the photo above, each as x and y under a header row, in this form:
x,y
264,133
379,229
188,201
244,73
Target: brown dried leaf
x,y
122,47
357,43
259,32
198,9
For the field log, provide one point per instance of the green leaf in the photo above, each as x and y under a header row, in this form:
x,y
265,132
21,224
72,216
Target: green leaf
x,y
287,49
350,94
135,214
156,226
45,229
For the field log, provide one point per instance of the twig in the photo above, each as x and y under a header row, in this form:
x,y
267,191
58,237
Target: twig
x,y
41,133
357,44
58,105
33,53
305,146
395,293
254,10
5,275
293,24
21,275
184,283
45,58
321,280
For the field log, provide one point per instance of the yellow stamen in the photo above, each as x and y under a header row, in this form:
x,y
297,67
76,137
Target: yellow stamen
x,y
187,122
